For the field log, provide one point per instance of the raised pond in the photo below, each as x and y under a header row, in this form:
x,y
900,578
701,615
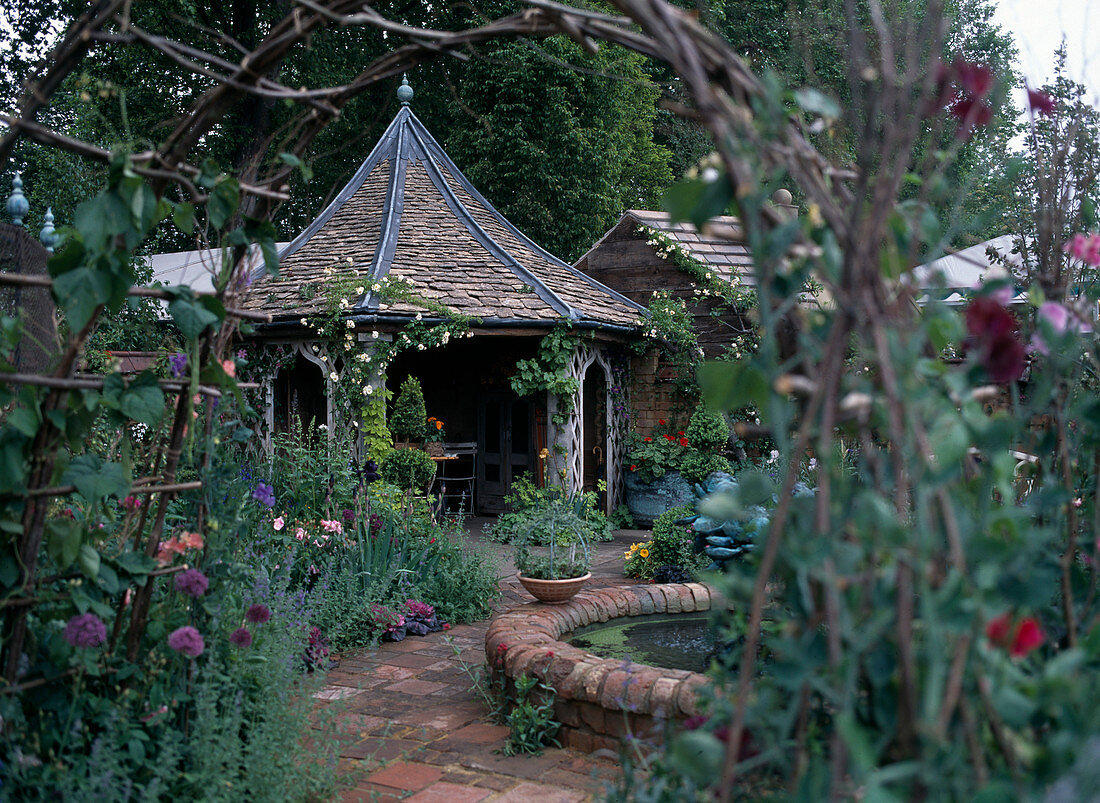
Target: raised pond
x,y
677,641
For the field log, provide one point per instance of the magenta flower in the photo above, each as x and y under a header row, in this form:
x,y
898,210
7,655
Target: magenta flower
x,y
187,640
241,637
1041,102
192,582
258,614
86,630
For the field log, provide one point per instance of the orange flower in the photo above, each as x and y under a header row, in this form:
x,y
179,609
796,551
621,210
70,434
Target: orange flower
x,y
439,425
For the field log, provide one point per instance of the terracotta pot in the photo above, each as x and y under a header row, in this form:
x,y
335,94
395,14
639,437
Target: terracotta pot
x,y
553,592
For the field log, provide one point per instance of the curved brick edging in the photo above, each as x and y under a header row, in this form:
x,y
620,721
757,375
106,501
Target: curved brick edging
x,y
599,700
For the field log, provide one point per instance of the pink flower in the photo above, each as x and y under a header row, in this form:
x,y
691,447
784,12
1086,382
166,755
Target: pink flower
x,y
229,367
1085,248
1056,315
300,534
131,503
998,629
278,523
187,640
332,526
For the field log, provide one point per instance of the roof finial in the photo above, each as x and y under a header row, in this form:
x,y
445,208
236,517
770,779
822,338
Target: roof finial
x,y
48,236
404,92
17,201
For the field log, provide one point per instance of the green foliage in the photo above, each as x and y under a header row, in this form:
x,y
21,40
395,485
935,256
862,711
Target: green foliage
x,y
409,417
311,472
377,439
552,541
707,430
410,469
697,466
547,371
530,719
672,542
465,583
620,519
528,502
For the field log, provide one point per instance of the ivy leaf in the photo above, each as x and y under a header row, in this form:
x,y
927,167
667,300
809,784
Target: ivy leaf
x,y
183,215
144,400
223,202
79,292
62,541
191,317
95,478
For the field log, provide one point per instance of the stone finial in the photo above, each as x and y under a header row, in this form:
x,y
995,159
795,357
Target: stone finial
x,y
404,92
48,236
17,201
782,197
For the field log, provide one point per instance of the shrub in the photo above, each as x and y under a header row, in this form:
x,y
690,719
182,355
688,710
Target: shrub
x,y
377,438
672,542
464,585
410,469
707,430
410,418
638,561
529,502
697,466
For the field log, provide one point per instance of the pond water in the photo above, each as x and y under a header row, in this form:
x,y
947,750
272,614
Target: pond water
x,y
673,641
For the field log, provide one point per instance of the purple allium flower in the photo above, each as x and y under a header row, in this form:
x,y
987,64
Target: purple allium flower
x,y
86,630
177,364
258,614
241,637
187,640
374,524
349,516
192,582
264,494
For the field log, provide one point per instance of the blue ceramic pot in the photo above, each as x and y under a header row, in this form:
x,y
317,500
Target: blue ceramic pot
x,y
648,500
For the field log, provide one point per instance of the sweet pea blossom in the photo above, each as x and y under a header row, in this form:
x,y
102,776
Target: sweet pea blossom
x,y
279,523
1084,247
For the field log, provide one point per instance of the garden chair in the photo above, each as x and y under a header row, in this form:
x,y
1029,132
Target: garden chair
x,y
457,477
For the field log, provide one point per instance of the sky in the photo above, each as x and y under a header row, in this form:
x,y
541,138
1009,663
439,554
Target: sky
x,y
1038,27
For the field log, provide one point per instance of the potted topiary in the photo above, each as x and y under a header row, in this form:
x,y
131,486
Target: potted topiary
x,y
552,554
408,469
410,418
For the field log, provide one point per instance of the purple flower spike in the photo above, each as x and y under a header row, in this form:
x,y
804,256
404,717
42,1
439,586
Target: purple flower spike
x,y
192,582
258,614
241,637
86,630
187,640
177,364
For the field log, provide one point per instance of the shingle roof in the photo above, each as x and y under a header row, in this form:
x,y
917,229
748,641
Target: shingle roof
x,y
409,213
720,246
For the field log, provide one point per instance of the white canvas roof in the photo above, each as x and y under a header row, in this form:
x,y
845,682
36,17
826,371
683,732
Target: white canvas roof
x,y
195,269
968,269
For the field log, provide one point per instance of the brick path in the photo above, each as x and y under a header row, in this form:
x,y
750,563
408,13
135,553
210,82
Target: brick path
x,y
413,727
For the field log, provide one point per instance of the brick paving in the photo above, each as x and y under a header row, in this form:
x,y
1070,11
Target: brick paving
x,y
412,728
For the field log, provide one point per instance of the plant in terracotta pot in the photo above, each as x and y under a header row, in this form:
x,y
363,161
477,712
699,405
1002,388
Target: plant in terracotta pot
x,y
552,556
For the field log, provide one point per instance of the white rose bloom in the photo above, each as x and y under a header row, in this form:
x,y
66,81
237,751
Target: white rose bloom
x,y
359,290
446,337
419,316
351,324
374,335
333,376
304,322
375,287
367,390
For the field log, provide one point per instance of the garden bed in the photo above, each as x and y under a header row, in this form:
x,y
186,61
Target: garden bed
x,y
599,700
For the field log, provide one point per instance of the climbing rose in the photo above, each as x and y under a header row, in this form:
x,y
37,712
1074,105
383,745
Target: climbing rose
x,y
1041,102
187,640
258,614
998,629
1028,637
192,582
241,637
86,630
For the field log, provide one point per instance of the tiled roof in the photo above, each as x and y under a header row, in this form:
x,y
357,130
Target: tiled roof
x,y
409,213
720,246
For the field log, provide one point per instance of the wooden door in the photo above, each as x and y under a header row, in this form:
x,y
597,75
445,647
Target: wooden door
x,y
505,425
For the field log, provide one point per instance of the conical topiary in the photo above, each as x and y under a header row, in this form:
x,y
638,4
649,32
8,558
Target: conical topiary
x,y
409,415
707,431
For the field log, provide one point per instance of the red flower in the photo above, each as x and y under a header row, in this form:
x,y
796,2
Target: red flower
x,y
986,318
1028,636
432,541
669,438
1005,359
977,79
998,630
661,421
683,441
634,468
648,439
681,434
971,114
1041,102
